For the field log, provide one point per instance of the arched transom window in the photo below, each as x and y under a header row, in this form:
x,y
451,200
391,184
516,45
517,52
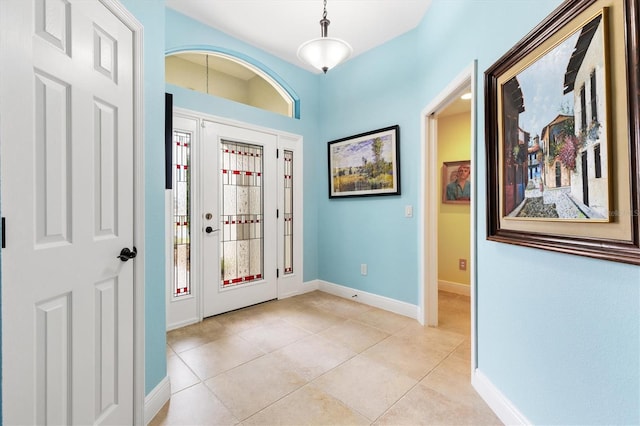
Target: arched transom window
x,y
223,75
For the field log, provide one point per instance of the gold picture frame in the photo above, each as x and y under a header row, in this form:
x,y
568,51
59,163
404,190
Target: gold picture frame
x,y
568,181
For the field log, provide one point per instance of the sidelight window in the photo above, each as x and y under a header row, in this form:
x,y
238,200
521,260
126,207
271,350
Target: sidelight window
x,y
181,214
288,212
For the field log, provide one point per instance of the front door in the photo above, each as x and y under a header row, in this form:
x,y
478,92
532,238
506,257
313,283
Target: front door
x,y
239,217
67,195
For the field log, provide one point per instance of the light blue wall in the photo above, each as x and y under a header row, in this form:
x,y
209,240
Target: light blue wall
x,y
160,23
372,91
183,32
559,335
151,14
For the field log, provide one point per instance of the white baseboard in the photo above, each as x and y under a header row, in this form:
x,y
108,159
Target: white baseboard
x,y
382,302
181,324
500,404
156,399
309,286
288,295
451,287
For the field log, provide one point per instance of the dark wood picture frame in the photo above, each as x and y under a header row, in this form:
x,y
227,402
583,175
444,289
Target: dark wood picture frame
x,y
365,165
618,237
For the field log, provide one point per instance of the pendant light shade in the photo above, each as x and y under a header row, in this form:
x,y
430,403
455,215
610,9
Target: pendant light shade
x,y
324,53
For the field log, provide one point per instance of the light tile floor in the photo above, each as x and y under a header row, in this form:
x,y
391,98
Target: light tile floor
x,y
317,359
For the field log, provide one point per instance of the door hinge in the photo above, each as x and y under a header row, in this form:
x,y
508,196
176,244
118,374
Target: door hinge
x,y
4,233
277,213
277,153
277,273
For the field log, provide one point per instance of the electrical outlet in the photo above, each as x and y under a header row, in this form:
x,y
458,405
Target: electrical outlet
x,y
462,264
363,269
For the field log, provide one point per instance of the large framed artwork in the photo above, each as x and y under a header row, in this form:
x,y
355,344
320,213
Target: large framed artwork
x,y
563,134
365,164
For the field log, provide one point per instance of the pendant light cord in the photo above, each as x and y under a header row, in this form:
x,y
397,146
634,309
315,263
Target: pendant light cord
x,y
324,22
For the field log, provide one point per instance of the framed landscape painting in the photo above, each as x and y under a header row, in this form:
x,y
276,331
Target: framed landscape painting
x,y
366,164
562,174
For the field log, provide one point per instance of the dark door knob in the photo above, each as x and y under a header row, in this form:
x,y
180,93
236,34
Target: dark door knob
x,y
208,229
126,254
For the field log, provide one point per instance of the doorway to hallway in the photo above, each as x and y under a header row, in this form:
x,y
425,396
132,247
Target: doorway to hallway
x,y
437,244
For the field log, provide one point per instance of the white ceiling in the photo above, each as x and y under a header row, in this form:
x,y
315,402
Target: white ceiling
x,y
456,107
280,26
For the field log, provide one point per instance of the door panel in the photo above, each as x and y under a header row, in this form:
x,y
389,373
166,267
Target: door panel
x,y
239,238
67,189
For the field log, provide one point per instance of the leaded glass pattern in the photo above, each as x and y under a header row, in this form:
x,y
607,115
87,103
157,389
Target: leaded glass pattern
x,y
288,212
181,214
242,216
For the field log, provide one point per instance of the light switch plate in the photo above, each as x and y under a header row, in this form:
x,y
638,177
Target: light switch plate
x,y
408,211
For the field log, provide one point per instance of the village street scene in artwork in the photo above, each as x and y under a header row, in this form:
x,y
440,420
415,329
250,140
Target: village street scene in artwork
x,y
555,132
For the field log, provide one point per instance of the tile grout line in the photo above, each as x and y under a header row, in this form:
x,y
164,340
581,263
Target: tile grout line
x,y
312,381
420,380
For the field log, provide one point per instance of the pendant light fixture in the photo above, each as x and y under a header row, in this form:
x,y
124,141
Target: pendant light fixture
x,y
324,52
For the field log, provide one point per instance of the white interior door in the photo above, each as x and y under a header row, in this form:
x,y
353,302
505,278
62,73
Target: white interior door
x,y
67,194
239,220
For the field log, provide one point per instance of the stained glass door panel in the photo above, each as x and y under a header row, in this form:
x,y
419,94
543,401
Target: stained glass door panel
x,y
288,211
242,213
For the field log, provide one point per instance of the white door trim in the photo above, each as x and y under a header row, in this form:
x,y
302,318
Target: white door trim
x,y
138,207
430,199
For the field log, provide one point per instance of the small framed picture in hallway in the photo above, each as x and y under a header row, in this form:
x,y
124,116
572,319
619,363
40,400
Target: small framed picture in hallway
x,y
456,182
562,173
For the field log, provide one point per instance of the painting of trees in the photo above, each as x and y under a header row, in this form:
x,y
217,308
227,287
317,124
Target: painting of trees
x,y
364,165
